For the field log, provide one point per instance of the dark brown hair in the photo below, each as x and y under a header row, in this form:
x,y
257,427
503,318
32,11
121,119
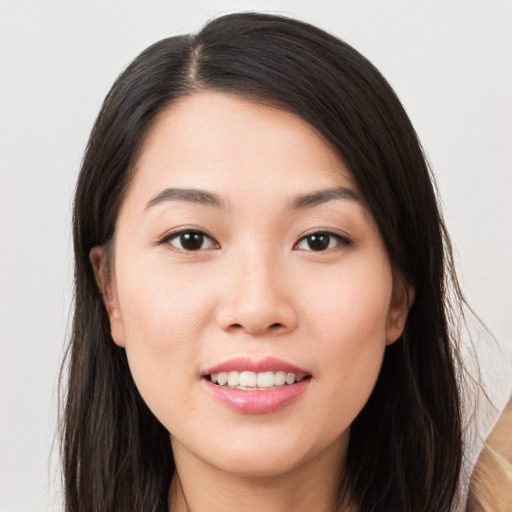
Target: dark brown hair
x,y
405,446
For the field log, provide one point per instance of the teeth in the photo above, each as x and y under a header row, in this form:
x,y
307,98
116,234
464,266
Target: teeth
x,y
279,378
265,380
248,380
233,379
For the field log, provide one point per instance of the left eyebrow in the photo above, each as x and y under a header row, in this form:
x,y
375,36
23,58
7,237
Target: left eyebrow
x,y
323,196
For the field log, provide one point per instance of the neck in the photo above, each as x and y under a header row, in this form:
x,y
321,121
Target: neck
x,y
312,487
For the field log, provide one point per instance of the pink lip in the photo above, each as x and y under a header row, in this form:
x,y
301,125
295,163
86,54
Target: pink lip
x,y
255,401
268,364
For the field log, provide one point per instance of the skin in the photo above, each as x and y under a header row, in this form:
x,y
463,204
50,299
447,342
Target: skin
x,y
255,288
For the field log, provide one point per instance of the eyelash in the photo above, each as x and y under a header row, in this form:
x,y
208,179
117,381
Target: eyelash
x,y
178,234
341,240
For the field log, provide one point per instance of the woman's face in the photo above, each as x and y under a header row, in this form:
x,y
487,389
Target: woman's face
x,y
243,245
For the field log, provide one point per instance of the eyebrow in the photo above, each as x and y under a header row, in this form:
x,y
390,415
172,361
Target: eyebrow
x,y
190,195
195,195
323,196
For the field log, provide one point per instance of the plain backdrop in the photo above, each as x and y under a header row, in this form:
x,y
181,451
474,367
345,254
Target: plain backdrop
x,y
449,61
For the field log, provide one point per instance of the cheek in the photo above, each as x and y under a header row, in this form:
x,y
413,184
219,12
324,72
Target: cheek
x,y
348,321
158,304
163,315
349,307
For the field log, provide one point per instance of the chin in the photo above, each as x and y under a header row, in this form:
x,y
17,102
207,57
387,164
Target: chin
x,y
264,452
260,464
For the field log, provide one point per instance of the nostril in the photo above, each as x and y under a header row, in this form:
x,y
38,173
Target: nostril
x,y
276,325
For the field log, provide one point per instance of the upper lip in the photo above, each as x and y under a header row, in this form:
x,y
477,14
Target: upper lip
x,y
267,364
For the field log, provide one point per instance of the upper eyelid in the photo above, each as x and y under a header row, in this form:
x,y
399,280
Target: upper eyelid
x,y
330,232
342,243
179,231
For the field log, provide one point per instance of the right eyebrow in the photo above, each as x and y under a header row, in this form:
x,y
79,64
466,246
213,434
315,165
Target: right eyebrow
x,y
191,195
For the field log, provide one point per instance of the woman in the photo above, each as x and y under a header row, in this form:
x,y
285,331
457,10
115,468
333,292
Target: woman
x,y
262,274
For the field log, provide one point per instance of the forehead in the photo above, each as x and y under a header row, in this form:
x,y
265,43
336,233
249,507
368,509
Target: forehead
x,y
228,143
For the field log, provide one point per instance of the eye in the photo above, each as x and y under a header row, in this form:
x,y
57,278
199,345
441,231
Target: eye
x,y
321,241
190,240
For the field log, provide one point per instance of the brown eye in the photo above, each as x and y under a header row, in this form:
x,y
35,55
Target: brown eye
x,y
191,241
321,241
318,242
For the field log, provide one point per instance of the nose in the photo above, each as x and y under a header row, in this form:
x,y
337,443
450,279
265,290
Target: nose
x,y
256,299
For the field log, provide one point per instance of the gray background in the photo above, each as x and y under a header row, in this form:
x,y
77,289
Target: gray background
x,y
449,61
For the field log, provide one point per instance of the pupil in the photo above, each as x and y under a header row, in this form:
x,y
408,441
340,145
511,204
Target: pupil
x,y
191,241
318,242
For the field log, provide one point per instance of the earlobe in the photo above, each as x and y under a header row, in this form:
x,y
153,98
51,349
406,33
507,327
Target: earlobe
x,y
401,302
98,256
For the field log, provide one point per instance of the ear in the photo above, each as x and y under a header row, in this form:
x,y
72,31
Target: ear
x,y
402,300
99,258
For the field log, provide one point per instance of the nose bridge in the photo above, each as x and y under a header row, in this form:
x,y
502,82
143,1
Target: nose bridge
x,y
255,296
258,274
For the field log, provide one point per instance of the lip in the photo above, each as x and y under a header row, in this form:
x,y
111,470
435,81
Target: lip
x,y
256,401
267,364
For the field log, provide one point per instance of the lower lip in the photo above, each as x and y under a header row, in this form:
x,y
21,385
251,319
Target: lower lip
x,y
256,402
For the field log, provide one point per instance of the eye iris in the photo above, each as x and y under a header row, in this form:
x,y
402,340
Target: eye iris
x,y
318,242
191,241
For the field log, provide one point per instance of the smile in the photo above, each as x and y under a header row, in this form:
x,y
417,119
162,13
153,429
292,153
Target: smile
x,y
261,386
246,380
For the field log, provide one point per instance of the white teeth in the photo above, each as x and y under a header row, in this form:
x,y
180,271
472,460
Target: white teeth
x,y
233,379
279,378
247,380
265,380
290,378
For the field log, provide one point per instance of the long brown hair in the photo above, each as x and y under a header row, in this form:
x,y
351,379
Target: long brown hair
x,y
405,446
